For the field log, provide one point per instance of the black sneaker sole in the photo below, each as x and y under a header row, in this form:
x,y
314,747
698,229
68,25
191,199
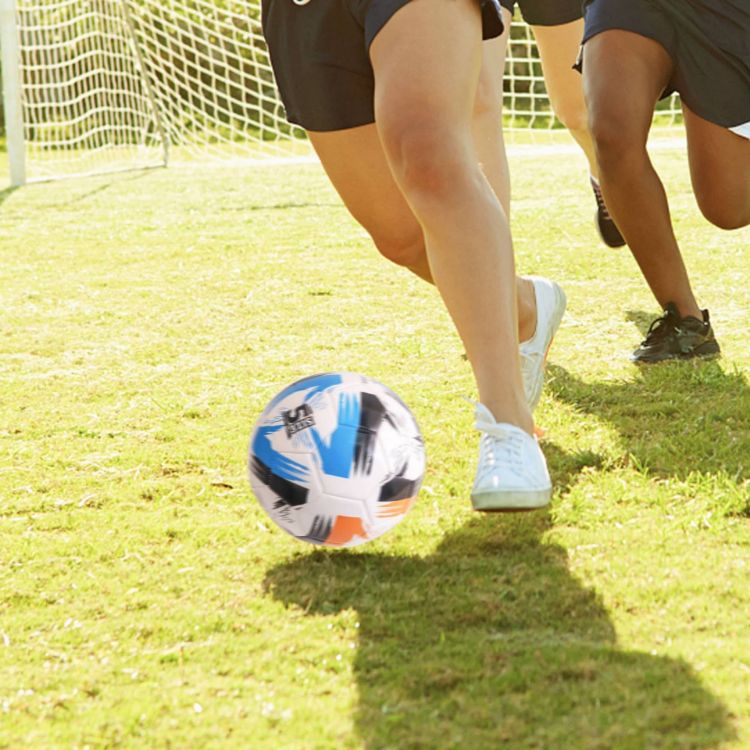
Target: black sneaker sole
x,y
613,242
709,350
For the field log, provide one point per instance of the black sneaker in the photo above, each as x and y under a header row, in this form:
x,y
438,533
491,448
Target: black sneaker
x,y
673,337
608,230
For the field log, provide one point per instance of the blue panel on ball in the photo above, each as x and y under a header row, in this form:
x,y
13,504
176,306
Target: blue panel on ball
x,y
279,464
338,456
314,384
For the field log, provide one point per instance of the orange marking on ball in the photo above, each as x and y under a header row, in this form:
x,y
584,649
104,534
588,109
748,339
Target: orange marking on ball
x,y
395,508
345,529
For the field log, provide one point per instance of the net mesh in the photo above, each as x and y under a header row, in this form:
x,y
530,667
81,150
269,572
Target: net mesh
x,y
119,84
85,100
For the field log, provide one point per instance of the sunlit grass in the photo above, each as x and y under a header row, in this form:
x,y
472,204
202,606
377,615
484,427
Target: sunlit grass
x,y
145,600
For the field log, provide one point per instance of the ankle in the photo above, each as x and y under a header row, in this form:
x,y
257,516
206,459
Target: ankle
x,y
516,413
689,308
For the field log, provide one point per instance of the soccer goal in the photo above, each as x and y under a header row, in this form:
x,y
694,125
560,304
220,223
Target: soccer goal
x,y
96,86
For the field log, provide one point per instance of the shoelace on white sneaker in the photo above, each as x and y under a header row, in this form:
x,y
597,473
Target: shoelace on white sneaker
x,y
499,445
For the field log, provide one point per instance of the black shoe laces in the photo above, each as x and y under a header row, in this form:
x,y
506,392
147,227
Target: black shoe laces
x,y
662,327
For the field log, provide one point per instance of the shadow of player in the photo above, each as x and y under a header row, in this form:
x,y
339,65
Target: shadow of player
x,y
675,418
491,642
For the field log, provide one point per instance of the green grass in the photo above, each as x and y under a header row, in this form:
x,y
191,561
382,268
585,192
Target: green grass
x,y
147,602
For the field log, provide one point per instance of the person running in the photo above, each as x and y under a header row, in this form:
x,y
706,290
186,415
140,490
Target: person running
x,y
557,26
635,52
387,92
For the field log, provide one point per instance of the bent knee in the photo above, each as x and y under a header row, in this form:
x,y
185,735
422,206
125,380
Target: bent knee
x,y
572,115
404,251
428,159
723,196
725,214
613,137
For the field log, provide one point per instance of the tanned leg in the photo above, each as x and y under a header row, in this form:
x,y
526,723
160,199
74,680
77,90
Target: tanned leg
x,y
720,171
356,164
425,123
558,50
623,76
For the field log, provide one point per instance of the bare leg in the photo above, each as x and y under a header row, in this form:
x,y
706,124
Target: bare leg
x,y
623,76
425,123
558,49
487,121
720,171
487,128
357,167
356,164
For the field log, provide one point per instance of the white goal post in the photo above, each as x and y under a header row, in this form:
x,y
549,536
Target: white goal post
x,y
103,85
10,60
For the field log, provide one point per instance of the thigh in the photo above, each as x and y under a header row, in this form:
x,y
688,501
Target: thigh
x,y
558,49
489,96
719,168
624,74
487,123
427,60
355,162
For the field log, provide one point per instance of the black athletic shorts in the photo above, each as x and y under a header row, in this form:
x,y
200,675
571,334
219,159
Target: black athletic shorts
x,y
546,12
319,52
709,42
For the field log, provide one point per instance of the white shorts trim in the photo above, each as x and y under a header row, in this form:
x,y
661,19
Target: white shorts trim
x,y
743,130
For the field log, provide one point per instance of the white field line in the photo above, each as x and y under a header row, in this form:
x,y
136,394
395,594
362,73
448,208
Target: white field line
x,y
556,149
513,150
526,150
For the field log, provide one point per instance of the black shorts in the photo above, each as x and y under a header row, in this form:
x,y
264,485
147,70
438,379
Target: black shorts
x,y
708,41
320,56
546,12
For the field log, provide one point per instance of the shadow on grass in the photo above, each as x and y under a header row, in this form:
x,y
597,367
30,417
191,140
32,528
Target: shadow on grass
x,y
113,179
491,643
566,466
279,206
6,193
676,418
642,320
80,197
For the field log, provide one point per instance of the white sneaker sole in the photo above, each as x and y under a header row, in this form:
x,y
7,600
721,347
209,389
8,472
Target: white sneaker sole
x,y
511,501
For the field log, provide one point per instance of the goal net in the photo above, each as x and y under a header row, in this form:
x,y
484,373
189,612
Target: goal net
x,y
104,85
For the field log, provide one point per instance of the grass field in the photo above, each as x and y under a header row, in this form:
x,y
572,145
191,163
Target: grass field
x,y
145,600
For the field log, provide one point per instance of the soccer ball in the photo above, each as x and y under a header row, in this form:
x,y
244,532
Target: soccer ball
x,y
336,459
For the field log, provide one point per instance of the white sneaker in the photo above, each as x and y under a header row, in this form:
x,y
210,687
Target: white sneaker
x,y
512,473
550,306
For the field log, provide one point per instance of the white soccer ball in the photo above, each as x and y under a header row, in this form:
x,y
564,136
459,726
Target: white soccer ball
x,y
336,459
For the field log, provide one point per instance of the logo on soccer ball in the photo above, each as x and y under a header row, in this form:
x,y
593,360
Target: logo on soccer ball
x,y
296,420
